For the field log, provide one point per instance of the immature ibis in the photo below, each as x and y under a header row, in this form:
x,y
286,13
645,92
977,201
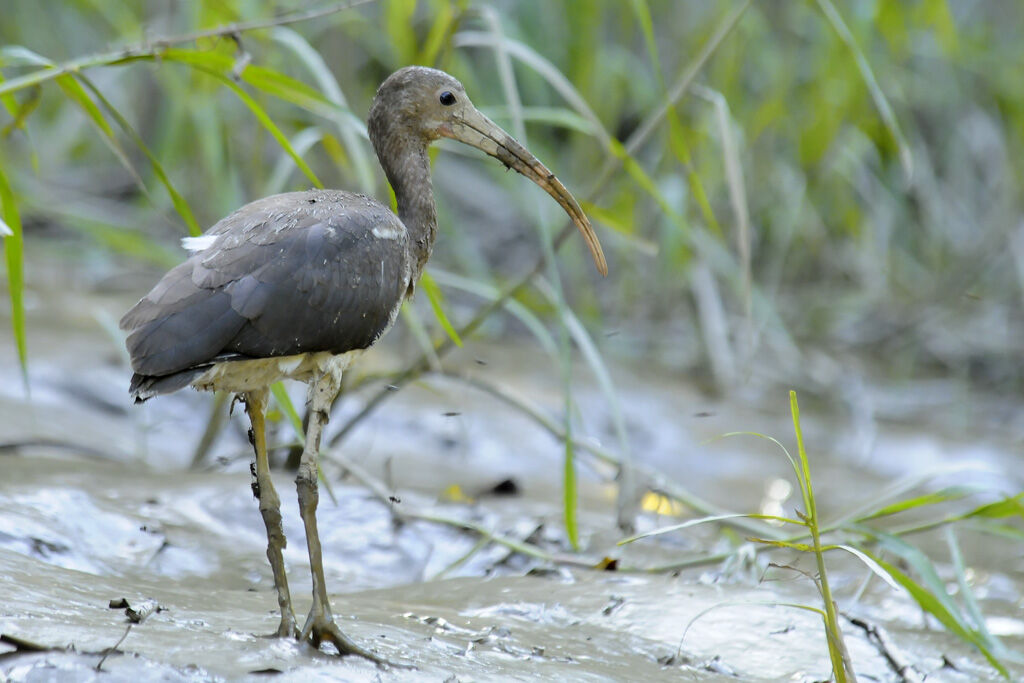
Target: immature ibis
x,y
297,285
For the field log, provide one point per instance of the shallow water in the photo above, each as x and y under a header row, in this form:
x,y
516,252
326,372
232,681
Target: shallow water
x,y
97,503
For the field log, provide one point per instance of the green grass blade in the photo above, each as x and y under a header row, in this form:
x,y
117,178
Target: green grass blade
x,y
642,12
548,71
785,451
870,563
492,293
301,142
128,242
706,520
570,495
838,654
179,202
681,85
938,606
946,494
967,595
284,402
262,78
677,138
877,95
555,117
20,112
805,470
74,66
1008,507
10,103
399,22
74,91
624,226
440,31
646,183
334,94
597,365
931,592
265,120
290,90
14,256
77,93
789,545
419,333
734,182
435,298
506,75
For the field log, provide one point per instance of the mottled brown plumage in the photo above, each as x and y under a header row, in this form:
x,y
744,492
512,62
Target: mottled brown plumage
x,y
296,285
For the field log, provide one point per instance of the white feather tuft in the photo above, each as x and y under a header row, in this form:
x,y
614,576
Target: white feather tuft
x,y
195,244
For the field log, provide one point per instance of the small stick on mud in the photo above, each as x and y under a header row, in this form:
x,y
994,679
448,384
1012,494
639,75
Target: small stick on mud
x,y
878,637
136,615
112,648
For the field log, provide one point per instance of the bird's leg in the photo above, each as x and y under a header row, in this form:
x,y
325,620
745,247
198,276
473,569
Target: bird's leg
x,y
320,624
270,508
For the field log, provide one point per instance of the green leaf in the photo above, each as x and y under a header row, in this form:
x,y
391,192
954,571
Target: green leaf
x,y
13,254
435,298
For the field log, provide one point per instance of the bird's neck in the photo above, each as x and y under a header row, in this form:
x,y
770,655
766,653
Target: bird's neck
x,y
407,167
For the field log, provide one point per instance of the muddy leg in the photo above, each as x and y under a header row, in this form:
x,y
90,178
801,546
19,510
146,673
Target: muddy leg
x,y
270,508
320,624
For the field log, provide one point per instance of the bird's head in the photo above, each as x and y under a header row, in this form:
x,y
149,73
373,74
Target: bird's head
x,y
426,104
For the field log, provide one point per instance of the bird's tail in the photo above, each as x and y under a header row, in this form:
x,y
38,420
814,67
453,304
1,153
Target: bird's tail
x,y
145,387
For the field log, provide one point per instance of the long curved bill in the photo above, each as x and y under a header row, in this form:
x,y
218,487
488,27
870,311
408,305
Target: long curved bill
x,y
476,130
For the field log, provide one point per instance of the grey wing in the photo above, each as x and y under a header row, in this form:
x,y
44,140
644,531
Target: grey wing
x,y
311,277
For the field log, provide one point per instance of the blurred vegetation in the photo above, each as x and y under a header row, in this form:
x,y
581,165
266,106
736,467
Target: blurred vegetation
x,y
841,179
789,192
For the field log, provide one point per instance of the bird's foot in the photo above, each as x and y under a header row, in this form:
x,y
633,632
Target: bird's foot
x,y
320,627
286,629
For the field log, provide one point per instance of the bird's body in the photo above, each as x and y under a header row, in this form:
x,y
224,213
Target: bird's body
x,y
297,285
295,274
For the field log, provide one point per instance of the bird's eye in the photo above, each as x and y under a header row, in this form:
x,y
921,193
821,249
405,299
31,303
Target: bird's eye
x,y
447,98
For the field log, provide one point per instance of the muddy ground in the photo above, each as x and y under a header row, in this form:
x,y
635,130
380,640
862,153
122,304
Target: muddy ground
x,y
98,503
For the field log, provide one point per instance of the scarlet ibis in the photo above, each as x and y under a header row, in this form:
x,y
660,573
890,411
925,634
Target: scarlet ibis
x,y
298,285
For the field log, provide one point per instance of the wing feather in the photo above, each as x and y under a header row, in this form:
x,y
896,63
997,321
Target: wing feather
x,y
293,273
